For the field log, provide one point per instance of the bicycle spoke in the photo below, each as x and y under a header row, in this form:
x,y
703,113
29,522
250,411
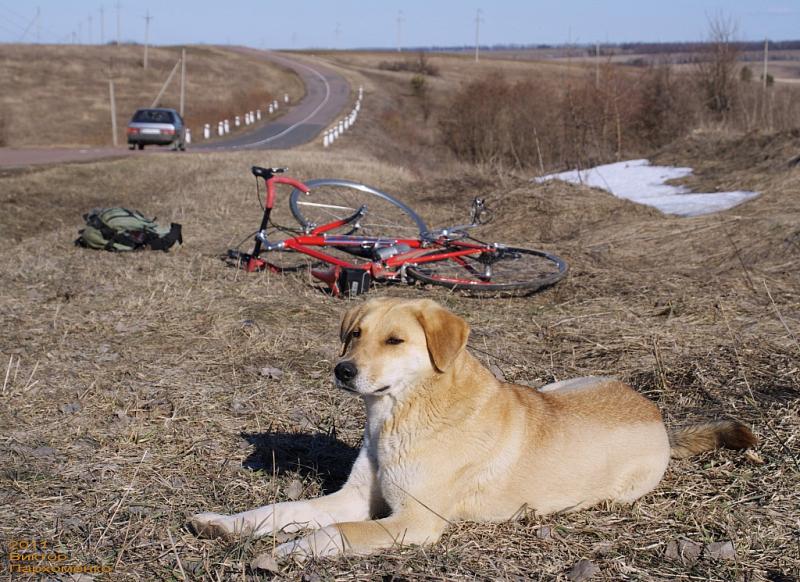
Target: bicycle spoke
x,y
493,270
332,200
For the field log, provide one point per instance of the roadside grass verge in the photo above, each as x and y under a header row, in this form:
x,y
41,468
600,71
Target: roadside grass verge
x,y
58,95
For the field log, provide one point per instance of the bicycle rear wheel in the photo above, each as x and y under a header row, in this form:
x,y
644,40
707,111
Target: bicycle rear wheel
x,y
496,268
331,199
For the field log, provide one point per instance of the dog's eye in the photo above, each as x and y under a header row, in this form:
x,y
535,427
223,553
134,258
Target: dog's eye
x,y
356,333
393,341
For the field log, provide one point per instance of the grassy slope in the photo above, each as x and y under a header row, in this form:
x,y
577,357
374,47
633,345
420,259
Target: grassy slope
x,y
59,95
143,369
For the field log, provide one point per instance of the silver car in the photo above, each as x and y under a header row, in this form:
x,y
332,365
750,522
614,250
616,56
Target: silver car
x,y
156,127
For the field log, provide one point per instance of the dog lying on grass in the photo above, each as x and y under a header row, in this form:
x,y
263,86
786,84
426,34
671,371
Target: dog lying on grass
x,y
446,441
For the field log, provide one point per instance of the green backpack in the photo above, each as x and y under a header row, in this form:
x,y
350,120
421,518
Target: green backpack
x,y
120,229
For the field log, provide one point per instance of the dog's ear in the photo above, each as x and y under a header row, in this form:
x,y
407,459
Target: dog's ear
x,y
445,333
349,322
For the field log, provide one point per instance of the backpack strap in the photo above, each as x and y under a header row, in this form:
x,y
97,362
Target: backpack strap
x,y
164,243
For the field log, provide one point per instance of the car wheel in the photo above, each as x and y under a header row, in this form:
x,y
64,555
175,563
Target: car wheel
x,y
182,147
131,146
140,146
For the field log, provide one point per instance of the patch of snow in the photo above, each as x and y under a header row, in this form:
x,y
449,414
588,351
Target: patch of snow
x,y
638,181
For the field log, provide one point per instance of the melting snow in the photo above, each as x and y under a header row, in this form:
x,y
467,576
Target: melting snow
x,y
638,181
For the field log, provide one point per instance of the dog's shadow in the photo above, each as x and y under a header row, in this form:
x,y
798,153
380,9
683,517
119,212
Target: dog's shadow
x,y
318,455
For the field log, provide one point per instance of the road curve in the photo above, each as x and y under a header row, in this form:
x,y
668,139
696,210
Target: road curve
x,y
327,95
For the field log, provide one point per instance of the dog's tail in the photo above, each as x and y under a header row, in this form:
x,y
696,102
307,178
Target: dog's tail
x,y
698,438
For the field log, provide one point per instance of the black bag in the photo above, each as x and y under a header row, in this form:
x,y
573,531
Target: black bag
x,y
120,230
352,282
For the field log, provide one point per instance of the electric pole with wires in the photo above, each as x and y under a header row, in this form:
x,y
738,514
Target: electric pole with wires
x,y
400,20
119,9
147,20
478,20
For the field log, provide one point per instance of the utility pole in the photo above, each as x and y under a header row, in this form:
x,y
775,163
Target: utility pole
x,y
478,20
597,65
119,8
400,20
102,25
113,111
147,20
183,80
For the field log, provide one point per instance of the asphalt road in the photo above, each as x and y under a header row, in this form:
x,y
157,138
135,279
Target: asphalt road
x,y
327,95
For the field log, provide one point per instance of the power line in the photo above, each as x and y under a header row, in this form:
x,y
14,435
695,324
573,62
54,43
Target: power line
x,y
27,28
11,15
16,15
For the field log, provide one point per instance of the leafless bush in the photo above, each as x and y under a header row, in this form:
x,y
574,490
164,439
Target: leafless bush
x,y
666,109
544,124
421,91
716,65
421,65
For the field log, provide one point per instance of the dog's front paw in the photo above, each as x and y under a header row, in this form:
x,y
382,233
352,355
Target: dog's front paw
x,y
297,550
212,525
325,542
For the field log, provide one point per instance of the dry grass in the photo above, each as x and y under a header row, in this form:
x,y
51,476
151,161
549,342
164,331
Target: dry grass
x,y
58,95
133,397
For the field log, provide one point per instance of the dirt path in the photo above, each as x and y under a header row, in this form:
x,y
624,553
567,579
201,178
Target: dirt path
x,y
327,94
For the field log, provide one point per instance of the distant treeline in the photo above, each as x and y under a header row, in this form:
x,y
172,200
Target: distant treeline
x,y
607,48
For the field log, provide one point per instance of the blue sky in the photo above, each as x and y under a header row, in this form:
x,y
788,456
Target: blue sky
x,y
363,23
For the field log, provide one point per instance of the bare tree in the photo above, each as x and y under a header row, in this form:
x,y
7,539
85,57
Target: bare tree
x,y
716,65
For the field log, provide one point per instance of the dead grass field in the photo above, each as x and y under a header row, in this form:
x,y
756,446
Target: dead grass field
x,y
133,393
59,96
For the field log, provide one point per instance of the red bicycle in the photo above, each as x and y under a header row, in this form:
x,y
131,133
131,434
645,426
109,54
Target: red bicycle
x,y
358,234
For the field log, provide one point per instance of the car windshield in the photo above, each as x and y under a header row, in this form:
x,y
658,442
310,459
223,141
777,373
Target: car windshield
x,y
152,116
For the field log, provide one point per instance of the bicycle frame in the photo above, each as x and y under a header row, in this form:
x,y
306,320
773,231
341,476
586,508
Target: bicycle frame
x,y
269,202
310,244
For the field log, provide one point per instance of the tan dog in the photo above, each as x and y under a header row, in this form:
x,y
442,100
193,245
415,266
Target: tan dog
x,y
446,441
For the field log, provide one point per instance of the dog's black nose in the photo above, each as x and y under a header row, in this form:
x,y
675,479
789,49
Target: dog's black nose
x,y
345,371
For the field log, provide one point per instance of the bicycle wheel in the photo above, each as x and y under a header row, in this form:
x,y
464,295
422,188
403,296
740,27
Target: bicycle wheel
x,y
330,199
497,268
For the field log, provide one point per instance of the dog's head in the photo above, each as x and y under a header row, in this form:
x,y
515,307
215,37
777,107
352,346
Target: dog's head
x,y
391,344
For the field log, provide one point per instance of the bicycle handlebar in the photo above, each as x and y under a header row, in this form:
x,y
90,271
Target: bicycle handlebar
x,y
266,173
